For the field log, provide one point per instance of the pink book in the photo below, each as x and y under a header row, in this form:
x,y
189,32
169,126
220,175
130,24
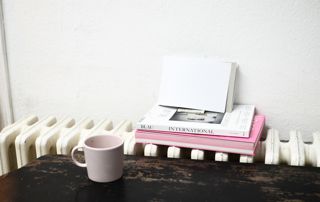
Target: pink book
x,y
227,144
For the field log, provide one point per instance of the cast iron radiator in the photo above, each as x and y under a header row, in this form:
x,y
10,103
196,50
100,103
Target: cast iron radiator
x,y
32,137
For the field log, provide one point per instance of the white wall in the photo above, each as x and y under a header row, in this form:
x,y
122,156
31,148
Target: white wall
x,y
102,58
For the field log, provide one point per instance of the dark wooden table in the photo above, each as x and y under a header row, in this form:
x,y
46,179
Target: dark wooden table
x,y
56,178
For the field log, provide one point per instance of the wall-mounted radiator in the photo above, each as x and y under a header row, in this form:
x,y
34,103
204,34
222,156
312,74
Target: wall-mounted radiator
x,y
31,137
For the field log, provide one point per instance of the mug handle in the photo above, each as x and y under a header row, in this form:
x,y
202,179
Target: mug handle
x,y
83,165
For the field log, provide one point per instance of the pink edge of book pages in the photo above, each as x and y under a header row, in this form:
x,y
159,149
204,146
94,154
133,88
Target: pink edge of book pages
x,y
206,142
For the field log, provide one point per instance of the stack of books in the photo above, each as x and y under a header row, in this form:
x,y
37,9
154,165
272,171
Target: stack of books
x,y
196,110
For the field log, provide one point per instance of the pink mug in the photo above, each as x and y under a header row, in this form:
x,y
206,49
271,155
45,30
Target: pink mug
x,y
104,157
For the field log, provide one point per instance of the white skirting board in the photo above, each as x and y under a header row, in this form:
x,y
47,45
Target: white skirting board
x,y
29,138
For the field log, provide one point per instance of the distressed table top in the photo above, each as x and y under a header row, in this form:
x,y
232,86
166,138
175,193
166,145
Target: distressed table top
x,y
56,178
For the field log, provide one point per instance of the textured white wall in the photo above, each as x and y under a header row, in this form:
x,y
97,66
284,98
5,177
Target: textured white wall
x,y
102,58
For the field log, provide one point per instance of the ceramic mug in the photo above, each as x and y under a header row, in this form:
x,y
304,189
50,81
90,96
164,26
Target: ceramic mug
x,y
103,157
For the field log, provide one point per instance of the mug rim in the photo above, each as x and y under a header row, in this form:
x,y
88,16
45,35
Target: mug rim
x,y
104,148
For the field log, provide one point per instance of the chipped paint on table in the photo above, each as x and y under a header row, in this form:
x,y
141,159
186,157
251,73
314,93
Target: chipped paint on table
x,y
56,178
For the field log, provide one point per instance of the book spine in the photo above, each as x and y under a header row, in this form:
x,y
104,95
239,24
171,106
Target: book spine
x,y
196,146
217,132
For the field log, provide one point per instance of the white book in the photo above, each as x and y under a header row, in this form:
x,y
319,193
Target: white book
x,y
236,123
198,83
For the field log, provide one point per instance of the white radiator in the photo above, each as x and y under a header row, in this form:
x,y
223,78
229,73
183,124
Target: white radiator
x,y
30,138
